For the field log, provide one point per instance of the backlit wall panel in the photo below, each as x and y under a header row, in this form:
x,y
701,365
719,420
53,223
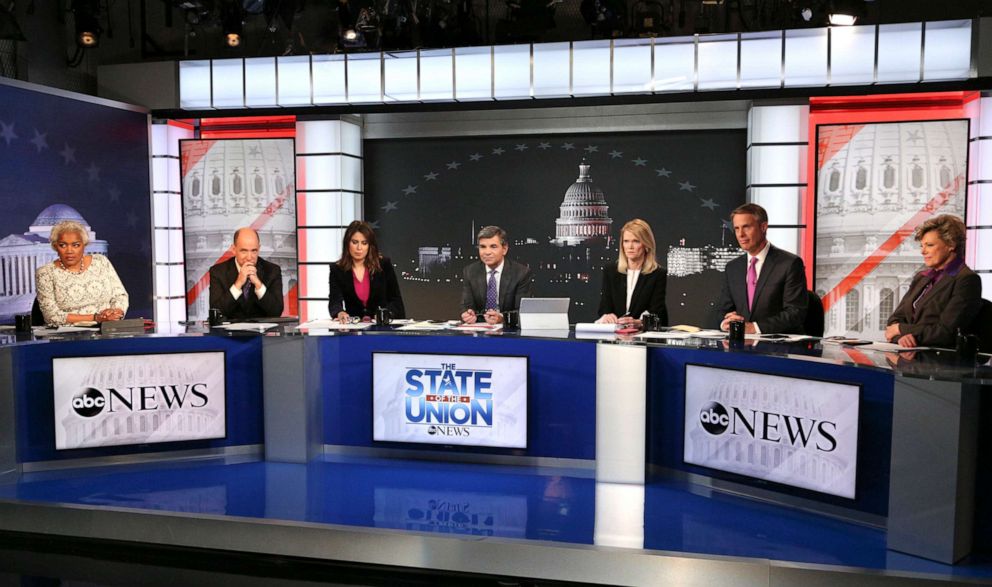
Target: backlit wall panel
x,y
167,223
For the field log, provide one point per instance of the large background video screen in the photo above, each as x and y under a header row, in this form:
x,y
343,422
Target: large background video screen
x,y
63,158
229,184
875,184
427,198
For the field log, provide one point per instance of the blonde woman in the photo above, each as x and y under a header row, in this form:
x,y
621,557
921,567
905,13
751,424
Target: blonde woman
x,y
636,283
78,287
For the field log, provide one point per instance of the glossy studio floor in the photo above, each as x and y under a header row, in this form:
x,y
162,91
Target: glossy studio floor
x,y
351,520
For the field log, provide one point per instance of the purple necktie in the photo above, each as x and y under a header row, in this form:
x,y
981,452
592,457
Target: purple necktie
x,y
492,296
752,281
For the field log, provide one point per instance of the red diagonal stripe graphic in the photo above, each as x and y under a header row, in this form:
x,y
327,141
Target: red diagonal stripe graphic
x,y
857,356
890,244
832,140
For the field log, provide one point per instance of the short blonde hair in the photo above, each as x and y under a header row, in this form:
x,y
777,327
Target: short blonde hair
x,y
950,229
68,226
642,231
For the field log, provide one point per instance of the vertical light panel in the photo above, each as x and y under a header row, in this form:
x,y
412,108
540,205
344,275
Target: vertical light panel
x,y
717,62
228,82
400,77
194,84
978,253
437,82
947,50
852,55
632,66
329,196
552,70
167,222
806,57
294,80
761,60
260,82
899,50
473,73
674,64
511,72
591,62
364,77
778,143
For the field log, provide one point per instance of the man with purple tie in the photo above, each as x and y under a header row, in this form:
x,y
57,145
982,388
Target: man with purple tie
x,y
765,288
495,285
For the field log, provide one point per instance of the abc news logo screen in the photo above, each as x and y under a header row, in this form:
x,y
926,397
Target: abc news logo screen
x,y
465,400
138,399
797,432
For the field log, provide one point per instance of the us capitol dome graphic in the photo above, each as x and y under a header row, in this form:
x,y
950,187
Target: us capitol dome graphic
x,y
22,254
584,213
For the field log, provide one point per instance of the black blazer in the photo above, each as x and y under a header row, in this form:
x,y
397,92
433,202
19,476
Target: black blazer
x,y
515,282
780,300
649,294
952,303
222,277
384,291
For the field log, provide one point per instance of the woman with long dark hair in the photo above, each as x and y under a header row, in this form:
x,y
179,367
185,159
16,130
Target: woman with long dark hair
x,y
362,281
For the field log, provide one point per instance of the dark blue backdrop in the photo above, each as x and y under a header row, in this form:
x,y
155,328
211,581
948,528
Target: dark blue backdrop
x,y
93,157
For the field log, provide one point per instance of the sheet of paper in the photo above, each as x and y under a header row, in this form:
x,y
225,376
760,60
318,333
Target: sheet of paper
x,y
595,327
890,347
479,327
669,335
249,326
424,326
709,334
329,324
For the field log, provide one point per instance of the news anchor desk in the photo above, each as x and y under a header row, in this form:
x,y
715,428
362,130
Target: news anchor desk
x,y
618,405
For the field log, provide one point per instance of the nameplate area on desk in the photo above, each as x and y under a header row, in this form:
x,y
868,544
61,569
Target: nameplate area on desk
x,y
797,432
138,399
463,400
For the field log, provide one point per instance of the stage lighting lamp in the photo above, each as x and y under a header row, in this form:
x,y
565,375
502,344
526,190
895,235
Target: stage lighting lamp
x,y
844,12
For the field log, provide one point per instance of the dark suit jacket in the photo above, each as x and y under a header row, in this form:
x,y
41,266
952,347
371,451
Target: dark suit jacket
x,y
952,303
780,296
384,291
649,293
515,282
222,277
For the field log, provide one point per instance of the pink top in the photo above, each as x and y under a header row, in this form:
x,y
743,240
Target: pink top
x,y
361,287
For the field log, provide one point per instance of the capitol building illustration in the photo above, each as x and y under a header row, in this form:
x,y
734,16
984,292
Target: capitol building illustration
x,y
882,176
22,254
584,213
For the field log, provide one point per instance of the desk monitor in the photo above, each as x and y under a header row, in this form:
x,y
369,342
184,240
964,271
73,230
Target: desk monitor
x,y
544,313
463,400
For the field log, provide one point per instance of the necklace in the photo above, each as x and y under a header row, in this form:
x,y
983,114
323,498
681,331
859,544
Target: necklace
x,y
67,270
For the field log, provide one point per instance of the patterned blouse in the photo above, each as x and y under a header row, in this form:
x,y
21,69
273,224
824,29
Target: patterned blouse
x,y
61,292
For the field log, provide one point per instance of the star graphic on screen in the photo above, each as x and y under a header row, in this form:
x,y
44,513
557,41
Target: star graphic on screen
x,y
431,176
389,207
499,151
475,156
521,147
114,194
410,189
7,132
543,146
913,136
132,219
254,151
454,165
640,162
663,172
39,140
614,154
93,172
685,186
591,149
374,224
708,203
568,146
68,154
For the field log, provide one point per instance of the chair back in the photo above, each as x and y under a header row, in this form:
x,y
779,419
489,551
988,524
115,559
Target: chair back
x,y
814,314
981,326
37,318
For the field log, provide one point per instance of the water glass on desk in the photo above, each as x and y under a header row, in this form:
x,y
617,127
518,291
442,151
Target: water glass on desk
x,y
383,316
